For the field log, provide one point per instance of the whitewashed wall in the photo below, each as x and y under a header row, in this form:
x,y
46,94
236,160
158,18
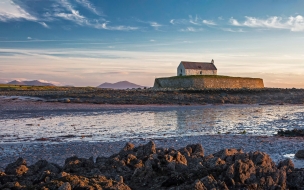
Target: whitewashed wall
x,y
197,72
181,70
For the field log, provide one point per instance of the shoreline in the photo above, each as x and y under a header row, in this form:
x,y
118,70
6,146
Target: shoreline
x,y
18,102
150,166
279,148
162,97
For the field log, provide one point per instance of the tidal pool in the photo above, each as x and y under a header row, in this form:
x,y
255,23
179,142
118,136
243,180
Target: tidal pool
x,y
157,122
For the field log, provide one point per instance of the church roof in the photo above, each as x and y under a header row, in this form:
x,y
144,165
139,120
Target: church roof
x,y
198,65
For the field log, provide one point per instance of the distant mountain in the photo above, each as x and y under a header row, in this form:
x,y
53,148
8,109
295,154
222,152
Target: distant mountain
x,y
30,83
120,85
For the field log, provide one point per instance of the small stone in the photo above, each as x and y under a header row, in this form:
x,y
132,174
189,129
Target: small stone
x,y
66,100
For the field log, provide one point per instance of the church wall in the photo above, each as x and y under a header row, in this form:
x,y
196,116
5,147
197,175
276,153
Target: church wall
x,y
181,70
197,72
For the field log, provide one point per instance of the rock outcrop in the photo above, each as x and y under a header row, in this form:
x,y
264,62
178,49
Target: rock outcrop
x,y
148,167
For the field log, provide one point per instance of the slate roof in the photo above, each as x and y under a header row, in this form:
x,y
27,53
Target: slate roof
x,y
199,65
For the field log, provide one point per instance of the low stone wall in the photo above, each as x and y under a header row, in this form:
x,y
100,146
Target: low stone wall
x,y
205,82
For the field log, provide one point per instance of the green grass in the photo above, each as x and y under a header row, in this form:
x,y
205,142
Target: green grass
x,y
207,76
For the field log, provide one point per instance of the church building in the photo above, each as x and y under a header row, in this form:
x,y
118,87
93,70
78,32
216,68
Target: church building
x,y
196,68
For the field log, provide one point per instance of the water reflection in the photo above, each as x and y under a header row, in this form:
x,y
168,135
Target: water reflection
x,y
153,123
252,120
195,120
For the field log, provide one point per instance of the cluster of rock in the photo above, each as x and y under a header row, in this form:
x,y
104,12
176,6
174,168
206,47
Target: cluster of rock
x,y
148,167
291,133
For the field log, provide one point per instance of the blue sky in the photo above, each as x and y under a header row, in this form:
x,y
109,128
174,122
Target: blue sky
x,y
88,42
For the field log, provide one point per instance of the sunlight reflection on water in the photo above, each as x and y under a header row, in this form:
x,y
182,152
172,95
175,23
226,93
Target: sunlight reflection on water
x,y
163,122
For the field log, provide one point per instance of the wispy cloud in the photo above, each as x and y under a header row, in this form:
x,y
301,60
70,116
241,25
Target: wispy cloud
x,y
191,20
195,21
155,25
44,24
71,14
292,23
61,10
209,22
90,6
11,11
191,29
234,22
179,21
192,24
233,30
106,27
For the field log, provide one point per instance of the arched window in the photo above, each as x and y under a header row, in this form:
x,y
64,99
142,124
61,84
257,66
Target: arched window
x,y
201,72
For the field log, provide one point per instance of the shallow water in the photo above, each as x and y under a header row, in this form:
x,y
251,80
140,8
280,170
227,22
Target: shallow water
x,y
157,122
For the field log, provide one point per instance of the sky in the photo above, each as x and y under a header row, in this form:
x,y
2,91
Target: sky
x,y
89,42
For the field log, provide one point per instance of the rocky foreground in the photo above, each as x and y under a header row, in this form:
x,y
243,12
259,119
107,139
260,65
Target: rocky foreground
x,y
148,167
164,96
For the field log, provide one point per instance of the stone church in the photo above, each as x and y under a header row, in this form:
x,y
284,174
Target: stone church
x,y
196,68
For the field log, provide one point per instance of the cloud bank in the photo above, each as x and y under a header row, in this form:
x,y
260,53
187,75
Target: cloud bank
x,y
292,23
61,10
11,11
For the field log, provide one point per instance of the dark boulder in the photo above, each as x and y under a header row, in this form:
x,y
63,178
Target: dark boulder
x,y
75,164
17,168
300,154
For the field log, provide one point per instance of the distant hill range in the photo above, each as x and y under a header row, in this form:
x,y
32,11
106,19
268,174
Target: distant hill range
x,y
30,83
120,85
